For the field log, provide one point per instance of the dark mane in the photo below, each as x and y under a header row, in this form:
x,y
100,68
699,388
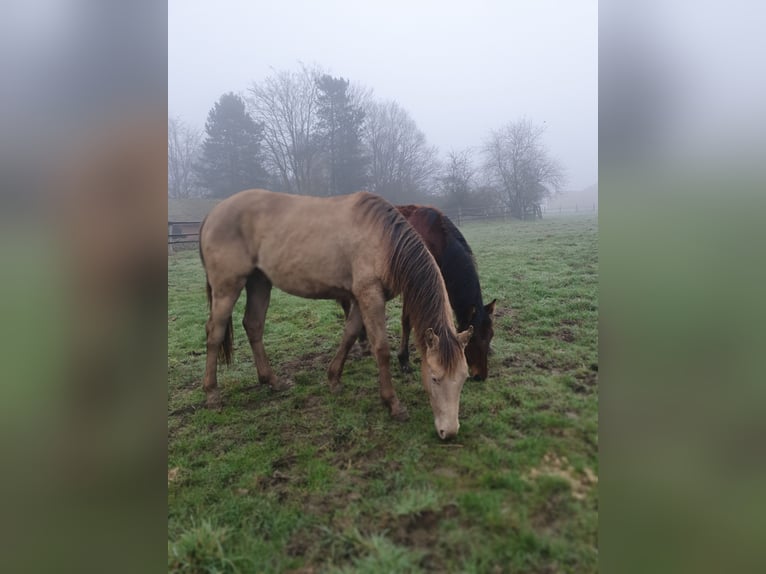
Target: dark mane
x,y
412,271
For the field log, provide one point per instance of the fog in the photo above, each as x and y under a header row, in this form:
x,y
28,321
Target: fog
x,y
460,69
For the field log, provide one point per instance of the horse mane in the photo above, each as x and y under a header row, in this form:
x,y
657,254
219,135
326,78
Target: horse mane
x,y
413,272
456,262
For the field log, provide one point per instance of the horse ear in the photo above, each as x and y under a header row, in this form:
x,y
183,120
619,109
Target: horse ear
x,y
465,336
432,339
490,307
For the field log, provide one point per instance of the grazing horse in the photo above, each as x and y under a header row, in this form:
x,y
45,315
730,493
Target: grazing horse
x,y
458,267
356,247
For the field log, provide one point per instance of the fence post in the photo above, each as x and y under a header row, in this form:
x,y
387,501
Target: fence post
x,y
170,240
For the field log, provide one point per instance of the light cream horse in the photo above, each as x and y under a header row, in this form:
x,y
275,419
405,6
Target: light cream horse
x,y
356,247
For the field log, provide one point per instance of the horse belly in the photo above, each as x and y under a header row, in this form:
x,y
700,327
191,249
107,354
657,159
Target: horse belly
x,y
311,275
310,288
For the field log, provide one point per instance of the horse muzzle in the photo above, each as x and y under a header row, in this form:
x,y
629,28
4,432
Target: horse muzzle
x,y
447,431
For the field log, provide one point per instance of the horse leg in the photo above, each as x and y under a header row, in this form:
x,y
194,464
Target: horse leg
x,y
346,304
222,304
258,296
350,332
372,305
404,346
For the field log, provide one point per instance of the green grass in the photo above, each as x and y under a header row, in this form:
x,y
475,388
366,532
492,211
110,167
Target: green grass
x,y
310,481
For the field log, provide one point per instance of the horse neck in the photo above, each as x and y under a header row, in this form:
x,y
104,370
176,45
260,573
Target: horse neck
x,y
462,281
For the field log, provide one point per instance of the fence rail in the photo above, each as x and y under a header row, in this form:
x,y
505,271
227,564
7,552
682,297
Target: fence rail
x,y
460,216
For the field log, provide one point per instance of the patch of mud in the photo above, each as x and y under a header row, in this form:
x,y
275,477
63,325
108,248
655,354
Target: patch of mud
x,y
553,465
565,335
420,529
503,312
187,410
550,363
585,382
281,481
313,360
308,404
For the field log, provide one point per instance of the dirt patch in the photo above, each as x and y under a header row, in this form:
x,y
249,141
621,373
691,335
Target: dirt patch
x,y
279,483
548,363
503,312
553,465
187,410
415,529
421,529
565,335
309,404
584,382
311,361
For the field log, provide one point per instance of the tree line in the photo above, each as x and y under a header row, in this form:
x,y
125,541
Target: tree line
x,y
308,132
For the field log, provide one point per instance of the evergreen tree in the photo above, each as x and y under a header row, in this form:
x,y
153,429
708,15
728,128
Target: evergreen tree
x,y
340,134
231,153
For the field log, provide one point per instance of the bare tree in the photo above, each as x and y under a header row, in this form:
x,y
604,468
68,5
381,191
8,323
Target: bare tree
x,y
286,104
516,161
456,181
402,164
183,150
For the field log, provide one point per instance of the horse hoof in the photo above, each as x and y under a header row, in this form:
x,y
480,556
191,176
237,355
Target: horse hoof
x,y
335,387
401,415
213,400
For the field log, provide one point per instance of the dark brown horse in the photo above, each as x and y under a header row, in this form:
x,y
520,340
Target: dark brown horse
x,y
458,267
356,247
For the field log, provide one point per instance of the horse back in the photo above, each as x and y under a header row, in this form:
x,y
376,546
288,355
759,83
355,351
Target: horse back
x,y
307,246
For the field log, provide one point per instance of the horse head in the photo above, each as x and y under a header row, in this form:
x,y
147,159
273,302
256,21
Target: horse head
x,y
444,385
477,350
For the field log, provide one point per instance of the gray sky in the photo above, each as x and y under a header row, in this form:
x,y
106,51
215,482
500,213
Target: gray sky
x,y
460,69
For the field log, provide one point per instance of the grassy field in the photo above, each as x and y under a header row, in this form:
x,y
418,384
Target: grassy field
x,y
307,481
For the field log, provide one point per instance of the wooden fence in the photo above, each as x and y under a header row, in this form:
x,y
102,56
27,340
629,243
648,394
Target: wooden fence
x,y
182,234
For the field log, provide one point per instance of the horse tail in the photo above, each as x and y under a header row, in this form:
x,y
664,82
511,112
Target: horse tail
x,y
224,351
